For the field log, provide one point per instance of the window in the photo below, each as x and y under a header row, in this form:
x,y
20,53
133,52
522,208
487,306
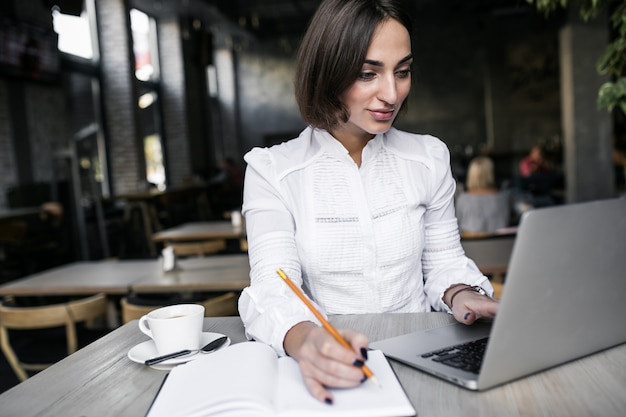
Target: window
x,y
144,34
75,32
77,38
152,144
144,45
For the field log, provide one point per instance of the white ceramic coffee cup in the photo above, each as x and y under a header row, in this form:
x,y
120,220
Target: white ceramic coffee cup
x,y
174,328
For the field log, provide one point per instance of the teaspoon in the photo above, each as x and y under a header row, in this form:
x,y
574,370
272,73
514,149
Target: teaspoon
x,y
208,348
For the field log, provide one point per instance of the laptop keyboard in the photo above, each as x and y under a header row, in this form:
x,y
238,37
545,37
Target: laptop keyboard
x,y
467,356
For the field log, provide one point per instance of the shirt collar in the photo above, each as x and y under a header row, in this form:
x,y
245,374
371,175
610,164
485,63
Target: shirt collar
x,y
332,146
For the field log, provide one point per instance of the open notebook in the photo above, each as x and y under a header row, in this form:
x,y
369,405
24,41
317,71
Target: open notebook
x,y
248,379
563,299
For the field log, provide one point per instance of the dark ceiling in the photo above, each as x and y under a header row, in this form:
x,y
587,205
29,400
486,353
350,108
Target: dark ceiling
x,y
276,18
269,18
265,19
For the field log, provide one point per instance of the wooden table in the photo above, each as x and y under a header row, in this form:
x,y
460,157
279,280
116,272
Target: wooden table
x,y
196,231
82,278
211,273
100,379
118,278
215,273
186,237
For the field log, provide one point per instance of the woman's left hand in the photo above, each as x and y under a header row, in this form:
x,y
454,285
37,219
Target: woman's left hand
x,y
470,306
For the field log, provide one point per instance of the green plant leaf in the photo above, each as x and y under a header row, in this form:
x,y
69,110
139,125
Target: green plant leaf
x,y
618,19
612,95
548,6
613,60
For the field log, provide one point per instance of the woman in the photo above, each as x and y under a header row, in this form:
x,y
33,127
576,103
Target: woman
x,y
482,208
534,162
358,213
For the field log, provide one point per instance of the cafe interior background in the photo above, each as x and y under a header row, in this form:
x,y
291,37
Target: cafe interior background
x,y
104,99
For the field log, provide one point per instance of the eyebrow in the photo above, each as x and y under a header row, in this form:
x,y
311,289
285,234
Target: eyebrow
x,y
380,64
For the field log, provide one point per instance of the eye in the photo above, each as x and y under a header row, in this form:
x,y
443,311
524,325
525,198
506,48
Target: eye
x,y
366,75
404,73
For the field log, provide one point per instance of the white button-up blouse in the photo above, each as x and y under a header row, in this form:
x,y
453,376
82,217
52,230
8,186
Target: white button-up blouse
x,y
382,237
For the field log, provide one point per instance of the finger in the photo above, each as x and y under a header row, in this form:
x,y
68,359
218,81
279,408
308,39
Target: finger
x,y
469,317
464,315
330,348
358,341
334,374
318,391
491,309
483,307
475,307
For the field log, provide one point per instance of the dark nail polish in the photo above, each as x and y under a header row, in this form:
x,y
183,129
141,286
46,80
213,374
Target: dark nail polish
x,y
466,316
364,379
358,363
364,353
328,401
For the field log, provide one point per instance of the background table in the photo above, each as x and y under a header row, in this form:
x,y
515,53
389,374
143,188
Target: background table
x,y
211,273
118,278
215,273
112,278
100,379
194,231
82,278
208,232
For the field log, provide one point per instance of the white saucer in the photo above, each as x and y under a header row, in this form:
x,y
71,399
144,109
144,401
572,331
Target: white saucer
x,y
146,350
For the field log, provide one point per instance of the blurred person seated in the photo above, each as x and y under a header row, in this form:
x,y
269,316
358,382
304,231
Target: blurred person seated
x,y
534,162
482,208
537,180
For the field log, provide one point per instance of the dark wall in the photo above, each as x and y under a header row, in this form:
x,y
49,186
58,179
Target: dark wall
x,y
480,83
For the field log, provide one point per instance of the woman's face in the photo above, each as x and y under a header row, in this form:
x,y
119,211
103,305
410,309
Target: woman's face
x,y
375,98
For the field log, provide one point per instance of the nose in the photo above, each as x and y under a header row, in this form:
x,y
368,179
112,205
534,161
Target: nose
x,y
388,90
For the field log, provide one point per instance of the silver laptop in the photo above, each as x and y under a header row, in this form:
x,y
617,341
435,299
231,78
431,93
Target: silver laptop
x,y
562,299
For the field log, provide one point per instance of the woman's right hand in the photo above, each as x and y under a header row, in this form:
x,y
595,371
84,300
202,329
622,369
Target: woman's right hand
x,y
323,361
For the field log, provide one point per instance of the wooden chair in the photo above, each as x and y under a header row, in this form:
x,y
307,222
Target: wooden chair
x,y
45,317
214,306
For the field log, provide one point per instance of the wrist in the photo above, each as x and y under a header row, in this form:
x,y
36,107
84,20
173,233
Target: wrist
x,y
451,292
474,288
294,338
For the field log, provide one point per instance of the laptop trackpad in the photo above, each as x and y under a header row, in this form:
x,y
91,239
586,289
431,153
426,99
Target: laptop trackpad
x,y
457,332
416,343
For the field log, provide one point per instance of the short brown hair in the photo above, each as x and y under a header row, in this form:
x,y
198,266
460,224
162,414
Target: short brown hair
x,y
332,53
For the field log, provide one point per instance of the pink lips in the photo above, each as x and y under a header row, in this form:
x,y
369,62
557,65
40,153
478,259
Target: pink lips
x,y
382,114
